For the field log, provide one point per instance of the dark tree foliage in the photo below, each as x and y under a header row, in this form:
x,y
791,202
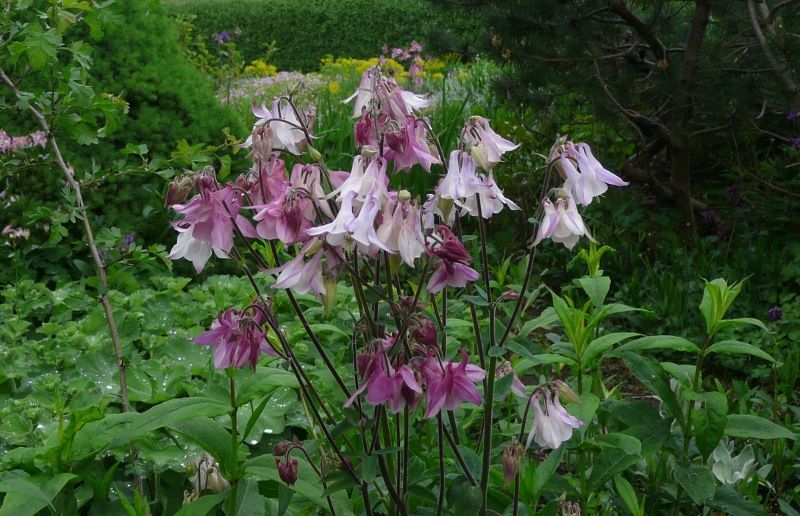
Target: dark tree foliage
x,y
689,90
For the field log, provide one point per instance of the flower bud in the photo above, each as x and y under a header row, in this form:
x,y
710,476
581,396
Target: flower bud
x,y
512,456
216,482
314,153
178,191
281,448
509,295
329,299
404,195
565,393
287,471
426,335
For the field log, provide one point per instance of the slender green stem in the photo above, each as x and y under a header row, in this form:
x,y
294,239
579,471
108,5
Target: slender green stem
x,y
440,426
234,443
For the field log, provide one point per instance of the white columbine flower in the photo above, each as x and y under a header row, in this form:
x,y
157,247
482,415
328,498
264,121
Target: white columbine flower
x,y
562,222
552,426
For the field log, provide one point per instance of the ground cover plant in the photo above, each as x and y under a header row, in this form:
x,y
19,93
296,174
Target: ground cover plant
x,y
396,295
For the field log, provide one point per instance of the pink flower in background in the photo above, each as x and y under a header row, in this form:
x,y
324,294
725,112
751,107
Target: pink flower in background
x,y
449,384
38,138
237,339
517,387
562,222
486,146
552,426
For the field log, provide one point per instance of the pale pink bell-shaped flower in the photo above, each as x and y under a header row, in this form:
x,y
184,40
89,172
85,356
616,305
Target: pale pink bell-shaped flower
x,y
491,199
583,175
461,181
401,231
287,128
552,426
302,276
562,222
365,92
485,145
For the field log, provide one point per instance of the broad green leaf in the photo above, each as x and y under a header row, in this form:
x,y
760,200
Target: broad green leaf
x,y
755,427
596,288
653,377
463,498
547,318
202,506
735,347
709,421
730,502
627,493
541,358
741,321
626,443
545,470
26,496
264,381
670,342
585,411
602,344
609,462
697,481
211,437
165,414
249,502
566,316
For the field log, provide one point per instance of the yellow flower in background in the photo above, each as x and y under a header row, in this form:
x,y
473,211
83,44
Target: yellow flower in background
x,y
259,68
334,87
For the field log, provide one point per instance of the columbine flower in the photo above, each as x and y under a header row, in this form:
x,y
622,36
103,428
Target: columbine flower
x,y
449,384
461,181
452,269
237,339
287,471
401,231
517,387
410,146
486,146
338,231
562,222
302,276
385,383
552,426
590,179
491,198
286,127
365,92
209,223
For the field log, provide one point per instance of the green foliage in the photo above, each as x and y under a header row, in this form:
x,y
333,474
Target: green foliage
x,y
308,31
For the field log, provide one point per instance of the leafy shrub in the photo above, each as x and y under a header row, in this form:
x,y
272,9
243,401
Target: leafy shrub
x,y
308,31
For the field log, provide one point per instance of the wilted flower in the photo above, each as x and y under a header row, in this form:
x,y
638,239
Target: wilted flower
x,y
426,335
486,146
237,339
570,509
287,470
552,426
562,222
449,384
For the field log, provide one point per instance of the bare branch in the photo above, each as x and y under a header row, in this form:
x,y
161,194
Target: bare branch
x,y
619,8
779,70
778,7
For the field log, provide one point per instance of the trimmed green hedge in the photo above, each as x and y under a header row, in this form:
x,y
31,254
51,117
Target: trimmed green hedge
x,y
308,30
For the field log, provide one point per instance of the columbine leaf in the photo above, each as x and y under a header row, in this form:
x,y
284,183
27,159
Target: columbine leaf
x,y
735,347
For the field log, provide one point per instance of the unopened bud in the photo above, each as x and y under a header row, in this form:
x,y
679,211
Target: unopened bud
x,y
478,153
509,295
178,191
369,151
314,153
426,335
512,456
565,393
404,195
287,471
281,448
570,509
445,206
329,299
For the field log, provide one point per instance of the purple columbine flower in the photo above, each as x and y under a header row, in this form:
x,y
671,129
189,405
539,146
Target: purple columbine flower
x,y
452,269
486,146
401,231
237,339
449,384
774,313
410,146
128,239
287,470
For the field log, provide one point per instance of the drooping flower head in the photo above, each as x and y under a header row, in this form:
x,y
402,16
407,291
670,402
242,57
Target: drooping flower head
x,y
287,128
237,339
583,175
561,222
452,269
553,425
486,146
449,384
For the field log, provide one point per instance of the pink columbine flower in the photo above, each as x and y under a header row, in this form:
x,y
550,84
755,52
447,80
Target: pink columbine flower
x,y
410,146
365,92
401,231
491,199
287,470
303,276
583,175
552,426
562,222
461,181
208,224
397,386
338,232
485,145
237,339
517,387
449,384
452,269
